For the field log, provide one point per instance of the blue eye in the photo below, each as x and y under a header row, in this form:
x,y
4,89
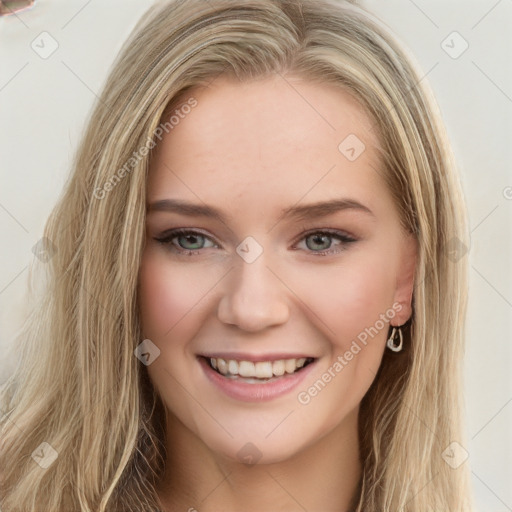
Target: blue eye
x,y
319,238
184,236
190,242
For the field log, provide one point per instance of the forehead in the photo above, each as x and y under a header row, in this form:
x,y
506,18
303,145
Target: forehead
x,y
276,139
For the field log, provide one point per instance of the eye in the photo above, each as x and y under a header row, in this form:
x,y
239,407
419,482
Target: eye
x,y
322,240
190,241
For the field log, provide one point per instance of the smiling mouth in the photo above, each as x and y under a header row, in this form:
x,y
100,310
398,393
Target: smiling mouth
x,y
259,372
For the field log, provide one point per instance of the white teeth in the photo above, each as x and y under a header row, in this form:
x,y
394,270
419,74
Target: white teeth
x,y
233,367
278,368
263,370
223,366
260,370
289,365
245,369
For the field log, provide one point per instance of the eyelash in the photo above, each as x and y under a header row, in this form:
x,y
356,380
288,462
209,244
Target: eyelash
x,y
166,240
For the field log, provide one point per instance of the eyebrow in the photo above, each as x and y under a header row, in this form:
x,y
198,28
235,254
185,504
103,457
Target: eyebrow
x,y
303,212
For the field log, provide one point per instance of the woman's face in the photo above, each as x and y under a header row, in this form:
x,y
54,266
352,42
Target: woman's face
x,y
295,270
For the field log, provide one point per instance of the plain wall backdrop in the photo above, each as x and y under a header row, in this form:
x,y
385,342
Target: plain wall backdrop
x,y
55,57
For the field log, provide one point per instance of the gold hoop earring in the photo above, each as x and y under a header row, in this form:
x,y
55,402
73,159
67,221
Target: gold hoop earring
x,y
391,341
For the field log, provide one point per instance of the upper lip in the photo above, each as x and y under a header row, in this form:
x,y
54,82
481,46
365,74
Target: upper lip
x,y
244,356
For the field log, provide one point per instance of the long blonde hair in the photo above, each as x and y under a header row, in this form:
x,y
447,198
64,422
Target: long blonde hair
x,y
78,385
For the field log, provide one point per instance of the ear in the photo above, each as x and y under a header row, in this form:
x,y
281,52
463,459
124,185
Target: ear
x,y
405,278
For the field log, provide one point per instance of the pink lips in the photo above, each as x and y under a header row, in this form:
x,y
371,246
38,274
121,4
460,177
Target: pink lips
x,y
245,391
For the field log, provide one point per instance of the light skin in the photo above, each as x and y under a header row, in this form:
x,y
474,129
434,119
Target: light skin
x,y
251,150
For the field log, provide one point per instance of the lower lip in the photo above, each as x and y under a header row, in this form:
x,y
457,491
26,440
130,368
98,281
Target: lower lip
x,y
240,390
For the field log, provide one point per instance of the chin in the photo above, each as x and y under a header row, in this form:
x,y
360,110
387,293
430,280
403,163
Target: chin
x,y
258,452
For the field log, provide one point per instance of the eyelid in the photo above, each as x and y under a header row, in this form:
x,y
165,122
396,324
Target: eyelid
x,y
305,232
169,234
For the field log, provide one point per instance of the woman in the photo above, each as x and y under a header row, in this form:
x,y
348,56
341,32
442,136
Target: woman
x,y
159,376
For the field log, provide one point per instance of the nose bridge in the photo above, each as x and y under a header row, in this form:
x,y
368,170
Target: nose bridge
x,y
254,298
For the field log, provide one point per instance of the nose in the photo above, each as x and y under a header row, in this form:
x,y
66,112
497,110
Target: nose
x,y
255,297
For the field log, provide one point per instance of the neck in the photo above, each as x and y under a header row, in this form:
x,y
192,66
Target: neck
x,y
323,476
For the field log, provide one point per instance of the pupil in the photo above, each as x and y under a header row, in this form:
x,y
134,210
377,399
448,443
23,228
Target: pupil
x,y
186,237
319,237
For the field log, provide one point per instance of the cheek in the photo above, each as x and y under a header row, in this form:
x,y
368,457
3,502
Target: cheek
x,y
348,298
171,302
169,296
